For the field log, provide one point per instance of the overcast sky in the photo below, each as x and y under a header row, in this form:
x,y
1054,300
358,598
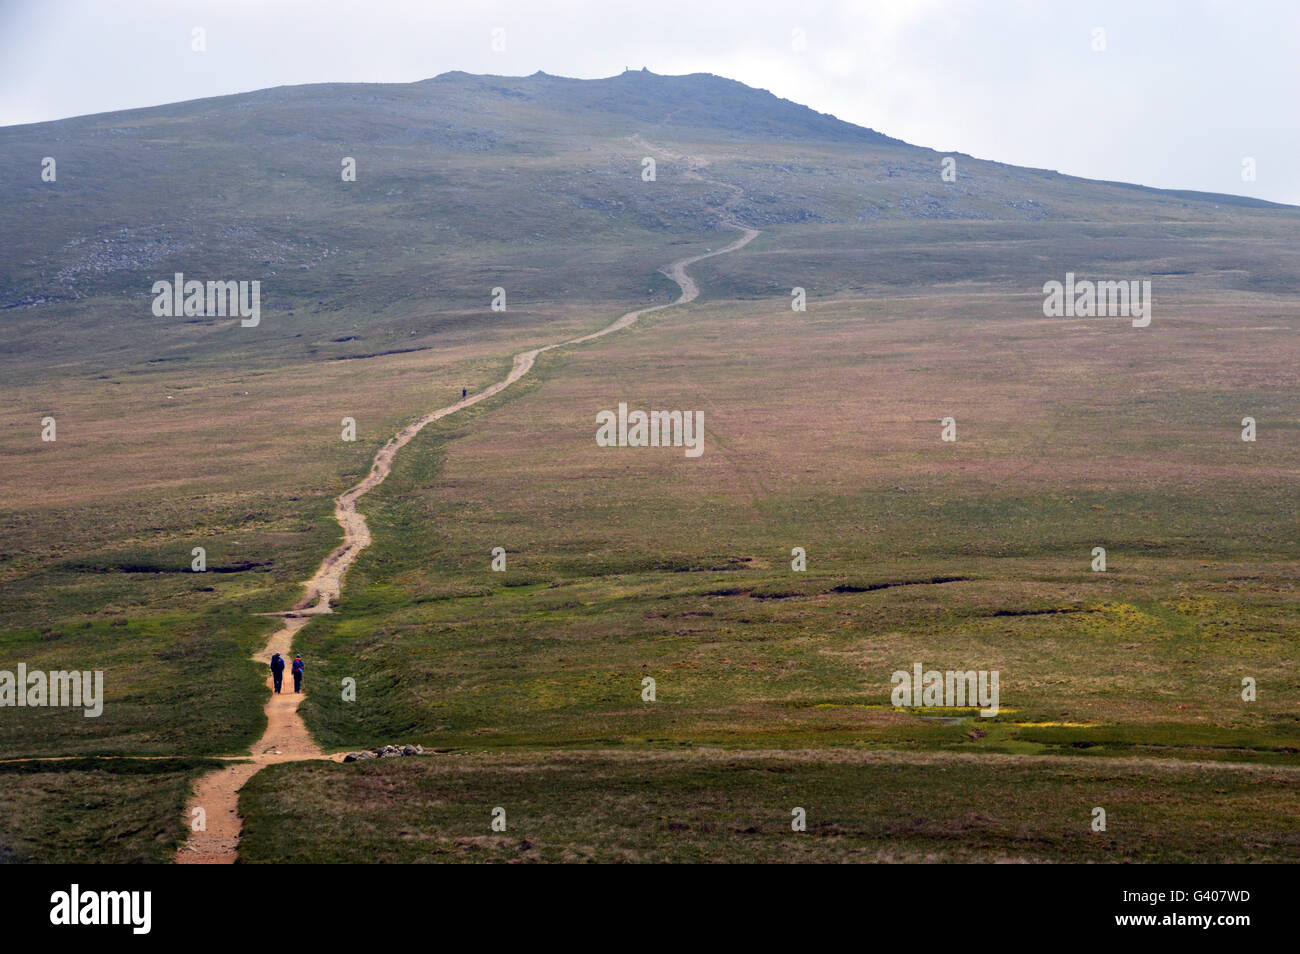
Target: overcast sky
x,y
1180,95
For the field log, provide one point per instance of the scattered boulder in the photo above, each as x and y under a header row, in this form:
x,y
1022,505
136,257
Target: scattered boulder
x,y
384,752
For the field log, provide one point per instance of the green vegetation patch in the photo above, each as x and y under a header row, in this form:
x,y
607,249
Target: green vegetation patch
x,y
80,811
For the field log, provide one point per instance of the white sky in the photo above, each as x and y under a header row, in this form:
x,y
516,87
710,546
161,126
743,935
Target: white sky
x,y
1184,90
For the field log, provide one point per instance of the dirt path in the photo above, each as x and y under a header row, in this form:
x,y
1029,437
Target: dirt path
x,y
286,738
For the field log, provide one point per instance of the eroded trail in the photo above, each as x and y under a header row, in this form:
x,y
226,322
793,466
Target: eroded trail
x,y
286,738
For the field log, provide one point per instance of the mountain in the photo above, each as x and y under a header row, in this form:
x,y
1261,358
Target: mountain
x,y
468,182
1102,529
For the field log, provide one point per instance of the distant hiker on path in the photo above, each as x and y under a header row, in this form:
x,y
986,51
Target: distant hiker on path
x,y
277,670
298,667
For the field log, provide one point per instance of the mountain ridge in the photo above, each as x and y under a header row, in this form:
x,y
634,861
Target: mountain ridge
x,y
724,109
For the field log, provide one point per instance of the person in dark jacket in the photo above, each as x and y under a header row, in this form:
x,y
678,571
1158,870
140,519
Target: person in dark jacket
x,y
298,667
277,670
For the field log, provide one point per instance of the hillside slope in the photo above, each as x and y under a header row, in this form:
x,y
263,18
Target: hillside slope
x,y
464,183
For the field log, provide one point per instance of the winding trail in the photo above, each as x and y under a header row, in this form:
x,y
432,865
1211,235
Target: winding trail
x,y
286,738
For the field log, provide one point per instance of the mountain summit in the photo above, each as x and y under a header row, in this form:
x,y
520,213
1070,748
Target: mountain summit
x,y
703,102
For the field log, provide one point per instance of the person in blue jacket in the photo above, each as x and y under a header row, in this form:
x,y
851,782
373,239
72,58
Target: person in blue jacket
x,y
298,667
277,670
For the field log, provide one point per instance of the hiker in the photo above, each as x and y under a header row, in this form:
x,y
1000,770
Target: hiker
x,y
464,392
277,670
298,667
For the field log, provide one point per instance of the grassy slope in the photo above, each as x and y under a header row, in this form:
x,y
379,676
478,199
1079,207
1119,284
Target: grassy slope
x,y
628,563
625,564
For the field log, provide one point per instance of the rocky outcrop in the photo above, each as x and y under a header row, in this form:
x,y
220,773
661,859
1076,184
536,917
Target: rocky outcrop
x,y
386,752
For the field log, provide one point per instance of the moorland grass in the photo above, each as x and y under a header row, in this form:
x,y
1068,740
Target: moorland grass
x,y
102,811
631,563
723,806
